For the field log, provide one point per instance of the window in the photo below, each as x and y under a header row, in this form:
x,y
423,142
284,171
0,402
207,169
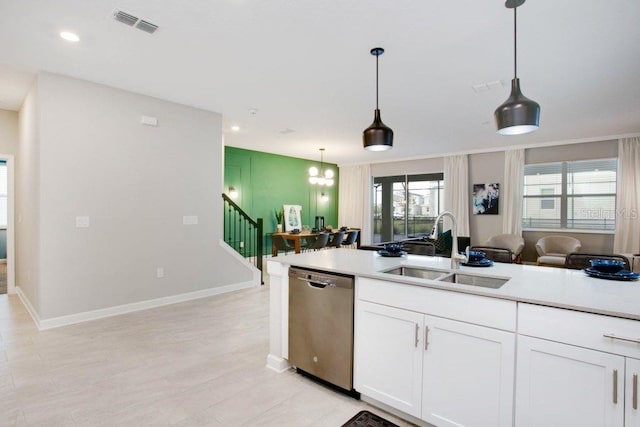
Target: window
x,y
3,194
571,195
406,206
547,203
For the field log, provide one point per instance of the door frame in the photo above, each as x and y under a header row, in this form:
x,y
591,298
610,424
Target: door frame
x,y
11,276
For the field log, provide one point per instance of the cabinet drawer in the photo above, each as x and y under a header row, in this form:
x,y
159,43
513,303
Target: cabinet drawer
x,y
485,311
581,329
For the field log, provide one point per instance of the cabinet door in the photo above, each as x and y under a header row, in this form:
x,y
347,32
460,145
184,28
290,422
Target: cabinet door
x,y
559,385
632,397
467,375
389,355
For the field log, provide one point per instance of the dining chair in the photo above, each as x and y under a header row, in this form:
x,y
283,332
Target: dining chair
x,y
336,239
578,261
350,240
419,248
495,254
309,243
321,241
280,244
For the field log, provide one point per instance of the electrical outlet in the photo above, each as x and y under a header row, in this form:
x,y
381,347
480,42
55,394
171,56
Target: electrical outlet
x,y
241,245
159,272
82,222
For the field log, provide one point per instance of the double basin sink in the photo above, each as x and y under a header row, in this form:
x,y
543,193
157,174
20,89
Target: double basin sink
x,y
448,276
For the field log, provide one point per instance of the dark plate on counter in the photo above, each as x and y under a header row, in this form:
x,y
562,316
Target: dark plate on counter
x,y
620,275
386,253
480,263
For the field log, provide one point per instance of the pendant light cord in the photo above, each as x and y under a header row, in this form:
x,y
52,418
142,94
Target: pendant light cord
x,y
377,57
515,44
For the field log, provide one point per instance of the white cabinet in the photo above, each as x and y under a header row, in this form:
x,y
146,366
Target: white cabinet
x,y
447,372
576,369
467,374
563,385
632,389
388,356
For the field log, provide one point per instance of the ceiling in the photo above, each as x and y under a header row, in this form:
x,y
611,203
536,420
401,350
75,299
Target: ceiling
x,y
297,75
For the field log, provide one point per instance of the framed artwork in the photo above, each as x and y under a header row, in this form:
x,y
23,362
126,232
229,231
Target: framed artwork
x,y
292,217
486,199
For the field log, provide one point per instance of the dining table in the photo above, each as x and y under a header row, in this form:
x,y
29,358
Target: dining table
x,y
297,238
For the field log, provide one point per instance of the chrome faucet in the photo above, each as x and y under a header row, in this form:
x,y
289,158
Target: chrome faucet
x,y
456,257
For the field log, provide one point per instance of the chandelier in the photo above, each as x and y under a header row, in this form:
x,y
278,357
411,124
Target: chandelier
x,y
321,176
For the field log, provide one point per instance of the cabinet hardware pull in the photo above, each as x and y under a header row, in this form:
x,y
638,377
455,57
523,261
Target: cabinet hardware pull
x,y
634,398
615,386
616,337
417,331
426,337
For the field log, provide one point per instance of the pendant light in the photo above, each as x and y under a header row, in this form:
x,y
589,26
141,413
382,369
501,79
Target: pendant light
x,y
518,114
321,176
377,137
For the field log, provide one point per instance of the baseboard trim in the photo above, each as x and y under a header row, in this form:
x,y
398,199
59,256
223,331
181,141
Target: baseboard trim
x,y
277,364
27,304
56,322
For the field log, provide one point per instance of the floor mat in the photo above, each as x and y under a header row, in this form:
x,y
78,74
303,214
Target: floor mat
x,y
368,419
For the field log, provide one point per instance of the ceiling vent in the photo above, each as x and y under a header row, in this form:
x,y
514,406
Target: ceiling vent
x,y
134,21
146,26
125,18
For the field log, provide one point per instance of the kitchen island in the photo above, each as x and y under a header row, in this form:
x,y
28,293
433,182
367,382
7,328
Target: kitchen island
x,y
461,341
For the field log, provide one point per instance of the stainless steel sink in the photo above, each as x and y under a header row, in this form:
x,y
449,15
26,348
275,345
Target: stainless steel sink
x,y
469,279
422,273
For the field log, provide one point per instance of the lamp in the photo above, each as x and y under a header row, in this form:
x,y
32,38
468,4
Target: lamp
x,y
233,193
377,137
518,114
321,176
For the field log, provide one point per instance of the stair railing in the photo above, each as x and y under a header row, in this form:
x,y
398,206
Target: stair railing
x,y
243,233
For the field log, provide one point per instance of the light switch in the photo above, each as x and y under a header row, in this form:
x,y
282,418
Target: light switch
x,y
82,222
190,220
149,121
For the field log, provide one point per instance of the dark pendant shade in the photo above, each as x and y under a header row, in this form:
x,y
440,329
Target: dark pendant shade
x,y
378,136
518,114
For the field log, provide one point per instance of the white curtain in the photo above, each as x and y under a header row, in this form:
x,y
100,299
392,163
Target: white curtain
x,y
627,236
512,192
456,191
354,200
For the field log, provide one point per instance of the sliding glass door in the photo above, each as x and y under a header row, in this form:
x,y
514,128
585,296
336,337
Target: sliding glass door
x,y
406,205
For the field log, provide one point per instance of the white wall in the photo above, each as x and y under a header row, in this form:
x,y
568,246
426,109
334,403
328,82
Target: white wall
x,y
135,183
485,168
408,167
8,132
27,201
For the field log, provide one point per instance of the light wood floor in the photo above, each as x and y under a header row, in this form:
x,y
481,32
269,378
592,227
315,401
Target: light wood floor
x,y
199,363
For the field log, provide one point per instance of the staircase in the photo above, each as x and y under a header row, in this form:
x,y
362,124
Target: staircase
x,y
243,233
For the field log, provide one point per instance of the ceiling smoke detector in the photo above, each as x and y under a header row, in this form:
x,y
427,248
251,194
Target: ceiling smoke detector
x,y
134,21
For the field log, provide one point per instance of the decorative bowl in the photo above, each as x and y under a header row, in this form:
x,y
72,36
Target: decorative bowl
x,y
393,247
607,265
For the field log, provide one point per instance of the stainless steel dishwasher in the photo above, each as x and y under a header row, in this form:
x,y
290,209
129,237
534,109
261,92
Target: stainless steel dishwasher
x,y
321,325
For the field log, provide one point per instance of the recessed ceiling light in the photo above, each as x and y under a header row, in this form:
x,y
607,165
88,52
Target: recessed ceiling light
x,y
235,128
69,36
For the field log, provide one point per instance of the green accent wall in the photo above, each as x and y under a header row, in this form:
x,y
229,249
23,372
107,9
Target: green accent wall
x,y
266,182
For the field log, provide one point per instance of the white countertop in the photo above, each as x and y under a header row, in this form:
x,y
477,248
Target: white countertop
x,y
555,287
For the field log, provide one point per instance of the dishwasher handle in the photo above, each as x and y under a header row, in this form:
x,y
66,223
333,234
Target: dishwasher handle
x,y
317,284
